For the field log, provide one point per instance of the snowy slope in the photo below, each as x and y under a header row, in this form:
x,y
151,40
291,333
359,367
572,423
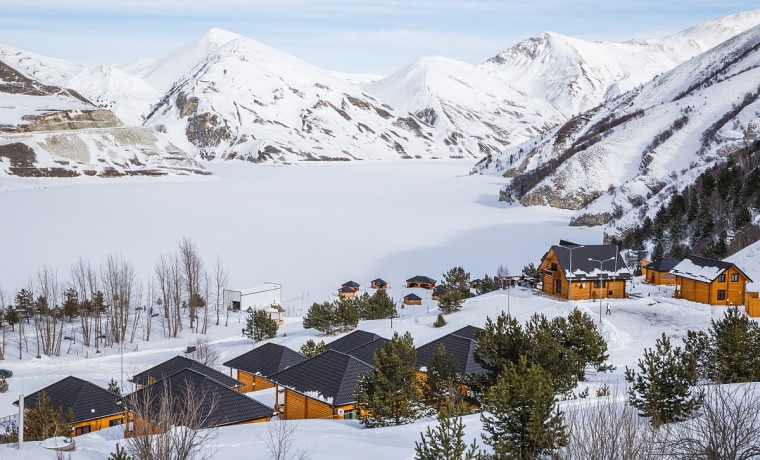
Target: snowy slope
x,y
246,100
623,159
106,86
575,75
466,105
51,131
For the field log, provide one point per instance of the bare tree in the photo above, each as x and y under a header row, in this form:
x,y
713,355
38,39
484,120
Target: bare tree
x,y
221,278
169,292
171,423
205,352
118,279
609,429
192,271
85,282
280,442
726,429
48,316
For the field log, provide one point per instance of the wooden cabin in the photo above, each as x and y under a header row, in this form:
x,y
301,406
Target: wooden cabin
x,y
476,283
710,281
582,272
351,284
254,367
322,387
218,404
93,407
176,364
346,293
277,313
420,281
412,299
379,283
437,291
658,272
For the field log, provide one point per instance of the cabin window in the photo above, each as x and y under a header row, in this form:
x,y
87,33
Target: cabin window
x,y
558,286
721,294
599,284
350,414
722,278
554,266
116,421
734,277
82,430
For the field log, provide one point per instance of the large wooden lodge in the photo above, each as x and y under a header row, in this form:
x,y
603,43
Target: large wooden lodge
x,y
580,272
710,281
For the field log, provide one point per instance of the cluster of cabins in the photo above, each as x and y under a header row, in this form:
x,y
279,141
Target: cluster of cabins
x,y
576,272
348,289
294,386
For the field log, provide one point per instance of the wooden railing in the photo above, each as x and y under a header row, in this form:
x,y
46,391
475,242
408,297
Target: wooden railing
x,y
753,304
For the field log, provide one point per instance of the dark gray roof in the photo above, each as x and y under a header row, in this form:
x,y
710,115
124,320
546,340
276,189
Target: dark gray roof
x,y
346,289
266,360
702,268
663,264
353,340
412,296
378,281
583,268
367,351
87,400
468,332
460,348
352,284
420,279
178,363
330,377
224,405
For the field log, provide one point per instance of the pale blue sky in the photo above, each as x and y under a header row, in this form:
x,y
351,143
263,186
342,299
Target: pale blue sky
x,y
360,36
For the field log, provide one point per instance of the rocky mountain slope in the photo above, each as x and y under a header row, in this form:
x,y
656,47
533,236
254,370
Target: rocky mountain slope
x,y
461,102
576,75
51,131
247,101
617,163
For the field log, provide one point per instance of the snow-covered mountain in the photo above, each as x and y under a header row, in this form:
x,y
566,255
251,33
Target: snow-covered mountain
x,y
48,130
576,75
466,105
248,101
618,162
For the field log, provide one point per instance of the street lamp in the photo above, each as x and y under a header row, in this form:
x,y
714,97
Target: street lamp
x,y
570,281
601,282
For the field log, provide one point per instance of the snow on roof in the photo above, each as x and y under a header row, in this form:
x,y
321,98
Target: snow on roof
x,y
261,288
700,268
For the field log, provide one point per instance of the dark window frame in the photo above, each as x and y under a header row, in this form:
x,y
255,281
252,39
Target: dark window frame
x,y
721,294
734,277
722,278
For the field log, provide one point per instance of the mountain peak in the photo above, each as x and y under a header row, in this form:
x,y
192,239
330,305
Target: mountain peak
x,y
218,37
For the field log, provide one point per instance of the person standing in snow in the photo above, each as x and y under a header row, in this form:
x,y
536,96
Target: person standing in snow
x,y
609,311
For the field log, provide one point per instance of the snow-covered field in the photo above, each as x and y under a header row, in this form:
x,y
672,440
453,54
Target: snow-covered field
x,y
310,227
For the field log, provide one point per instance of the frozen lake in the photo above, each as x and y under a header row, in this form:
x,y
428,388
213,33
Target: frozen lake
x,y
310,226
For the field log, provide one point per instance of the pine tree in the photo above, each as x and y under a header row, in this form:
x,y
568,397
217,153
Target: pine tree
x,y
579,333
381,306
12,317
113,387
733,344
259,325
661,389
347,315
311,348
390,394
70,303
24,302
322,317
442,382
742,218
519,414
42,421
530,271
456,288
120,454
446,441
500,343
487,285
542,347
440,321
3,385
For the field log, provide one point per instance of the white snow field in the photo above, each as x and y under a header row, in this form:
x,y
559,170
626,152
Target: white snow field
x,y
310,227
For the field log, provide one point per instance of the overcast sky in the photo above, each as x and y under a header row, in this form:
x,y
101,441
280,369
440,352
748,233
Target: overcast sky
x,y
360,36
